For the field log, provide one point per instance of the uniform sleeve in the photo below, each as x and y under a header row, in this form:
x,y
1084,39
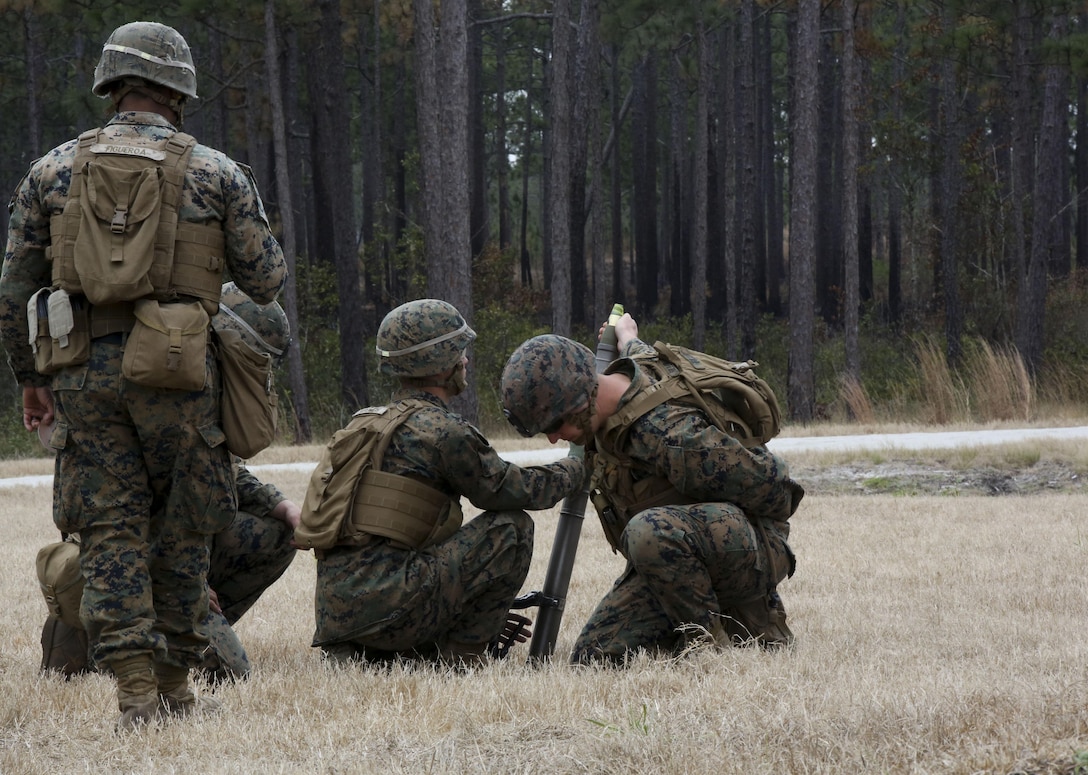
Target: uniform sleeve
x,y
254,496
706,464
474,469
637,347
25,271
254,257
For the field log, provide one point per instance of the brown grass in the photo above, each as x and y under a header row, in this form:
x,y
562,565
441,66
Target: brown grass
x,y
935,635
999,384
943,399
856,399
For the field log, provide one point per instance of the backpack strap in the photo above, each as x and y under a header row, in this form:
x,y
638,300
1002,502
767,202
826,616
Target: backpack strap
x,y
64,227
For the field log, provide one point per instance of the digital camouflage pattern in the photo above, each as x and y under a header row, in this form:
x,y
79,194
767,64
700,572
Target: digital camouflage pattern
x,y
247,557
142,474
377,600
148,50
264,327
717,553
690,568
714,545
143,511
216,188
422,338
546,380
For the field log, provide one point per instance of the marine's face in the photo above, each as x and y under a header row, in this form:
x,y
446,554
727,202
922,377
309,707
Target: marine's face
x,y
569,432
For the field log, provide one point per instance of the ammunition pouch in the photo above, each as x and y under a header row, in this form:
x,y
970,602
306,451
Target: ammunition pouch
x,y
406,511
59,330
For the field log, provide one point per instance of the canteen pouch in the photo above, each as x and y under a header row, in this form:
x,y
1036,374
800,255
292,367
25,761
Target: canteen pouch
x,y
61,580
248,403
168,345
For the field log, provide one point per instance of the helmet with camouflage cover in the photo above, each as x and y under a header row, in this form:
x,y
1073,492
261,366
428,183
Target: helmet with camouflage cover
x,y
547,381
422,338
148,50
263,326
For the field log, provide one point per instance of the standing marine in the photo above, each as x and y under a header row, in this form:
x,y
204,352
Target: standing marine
x,y
118,242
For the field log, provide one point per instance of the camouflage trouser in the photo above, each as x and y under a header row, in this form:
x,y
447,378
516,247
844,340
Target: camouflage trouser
x,y
246,559
686,565
419,603
144,477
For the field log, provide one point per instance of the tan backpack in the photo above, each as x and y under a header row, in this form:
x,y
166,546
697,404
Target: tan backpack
x,y
732,396
350,498
118,237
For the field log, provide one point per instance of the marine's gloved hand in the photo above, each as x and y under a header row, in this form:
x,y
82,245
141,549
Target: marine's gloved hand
x,y
515,630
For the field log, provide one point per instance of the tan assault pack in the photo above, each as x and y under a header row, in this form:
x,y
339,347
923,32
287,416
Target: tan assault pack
x,y
729,393
350,498
118,237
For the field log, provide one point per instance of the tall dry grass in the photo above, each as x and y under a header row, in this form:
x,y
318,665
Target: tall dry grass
x,y
936,635
992,384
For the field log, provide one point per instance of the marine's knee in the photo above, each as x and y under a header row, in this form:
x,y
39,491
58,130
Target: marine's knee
x,y
518,524
650,536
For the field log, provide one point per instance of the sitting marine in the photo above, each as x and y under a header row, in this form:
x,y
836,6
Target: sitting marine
x,y
400,573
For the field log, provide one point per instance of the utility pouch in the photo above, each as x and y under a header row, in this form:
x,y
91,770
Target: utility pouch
x,y
120,206
248,403
612,521
60,330
61,580
167,347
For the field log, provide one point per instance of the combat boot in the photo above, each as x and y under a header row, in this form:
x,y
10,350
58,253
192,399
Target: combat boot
x,y
64,648
137,691
176,696
760,622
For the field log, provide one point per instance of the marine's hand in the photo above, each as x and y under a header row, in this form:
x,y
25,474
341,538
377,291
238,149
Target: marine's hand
x,y
289,512
626,330
37,407
213,601
515,630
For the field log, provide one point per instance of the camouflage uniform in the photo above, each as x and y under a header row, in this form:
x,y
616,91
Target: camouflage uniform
x,y
379,601
142,474
246,558
690,565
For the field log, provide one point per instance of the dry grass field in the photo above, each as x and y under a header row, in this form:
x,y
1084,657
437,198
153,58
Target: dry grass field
x,y
936,634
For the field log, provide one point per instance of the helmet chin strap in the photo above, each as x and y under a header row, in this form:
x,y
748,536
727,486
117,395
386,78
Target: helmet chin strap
x,y
583,418
456,383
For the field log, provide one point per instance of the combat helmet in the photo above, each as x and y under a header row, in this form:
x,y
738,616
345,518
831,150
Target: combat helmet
x,y
148,50
263,326
422,338
548,380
